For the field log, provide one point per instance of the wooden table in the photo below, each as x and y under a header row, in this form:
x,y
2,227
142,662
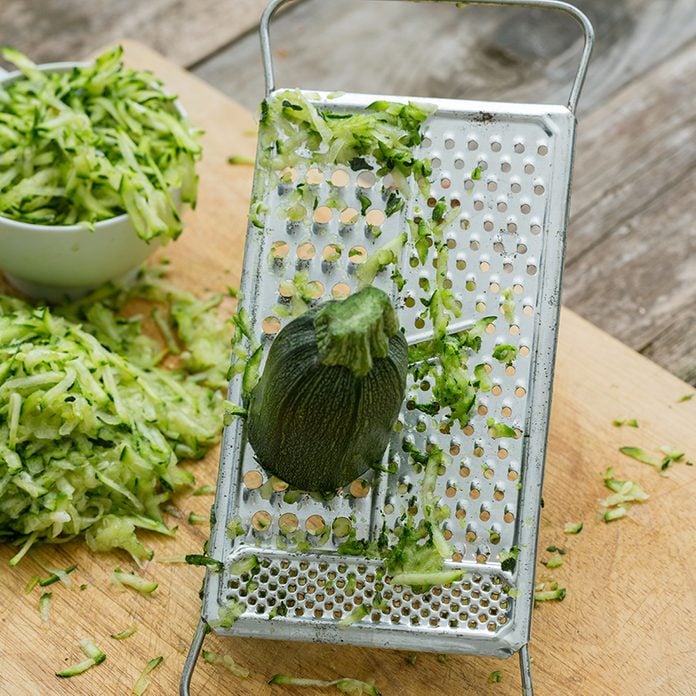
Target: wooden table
x,y
626,626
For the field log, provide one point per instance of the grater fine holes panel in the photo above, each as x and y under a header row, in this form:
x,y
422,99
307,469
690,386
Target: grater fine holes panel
x,y
441,607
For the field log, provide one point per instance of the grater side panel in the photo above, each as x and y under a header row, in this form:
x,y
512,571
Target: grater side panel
x,y
509,167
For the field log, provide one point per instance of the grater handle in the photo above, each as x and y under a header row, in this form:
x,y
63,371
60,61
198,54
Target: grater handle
x,y
567,8
192,658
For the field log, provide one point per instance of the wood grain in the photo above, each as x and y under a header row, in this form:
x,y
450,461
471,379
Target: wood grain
x,y
186,32
626,626
631,150
640,277
673,348
629,266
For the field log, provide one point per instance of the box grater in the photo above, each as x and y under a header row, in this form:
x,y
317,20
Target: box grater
x,y
504,170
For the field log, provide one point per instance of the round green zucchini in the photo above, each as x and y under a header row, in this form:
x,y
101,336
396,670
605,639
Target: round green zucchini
x,y
324,408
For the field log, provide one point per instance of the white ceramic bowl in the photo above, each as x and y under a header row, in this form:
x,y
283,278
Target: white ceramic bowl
x,y
53,262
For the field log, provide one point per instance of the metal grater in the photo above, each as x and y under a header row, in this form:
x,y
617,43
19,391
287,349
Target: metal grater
x,y
509,166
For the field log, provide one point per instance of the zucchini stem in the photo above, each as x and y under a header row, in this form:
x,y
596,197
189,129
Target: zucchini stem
x,y
354,332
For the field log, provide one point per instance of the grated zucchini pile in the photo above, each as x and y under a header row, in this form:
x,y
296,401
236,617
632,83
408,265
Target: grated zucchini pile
x,y
92,143
92,425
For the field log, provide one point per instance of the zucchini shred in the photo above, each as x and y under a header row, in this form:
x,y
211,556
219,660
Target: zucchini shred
x,y
93,425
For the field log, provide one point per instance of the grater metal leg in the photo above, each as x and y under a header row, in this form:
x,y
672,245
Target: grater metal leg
x,y
192,658
525,671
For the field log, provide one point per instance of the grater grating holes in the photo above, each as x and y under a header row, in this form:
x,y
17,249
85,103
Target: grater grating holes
x,y
340,291
328,591
270,325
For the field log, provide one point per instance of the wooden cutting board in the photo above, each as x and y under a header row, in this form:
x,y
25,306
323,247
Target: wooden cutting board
x,y
627,625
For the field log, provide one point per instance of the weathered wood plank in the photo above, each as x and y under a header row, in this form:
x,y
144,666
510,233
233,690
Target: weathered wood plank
x,y
675,347
434,49
185,32
630,265
631,150
637,280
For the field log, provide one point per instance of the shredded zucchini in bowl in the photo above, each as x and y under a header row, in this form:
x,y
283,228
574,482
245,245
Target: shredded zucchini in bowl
x,y
92,426
91,143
